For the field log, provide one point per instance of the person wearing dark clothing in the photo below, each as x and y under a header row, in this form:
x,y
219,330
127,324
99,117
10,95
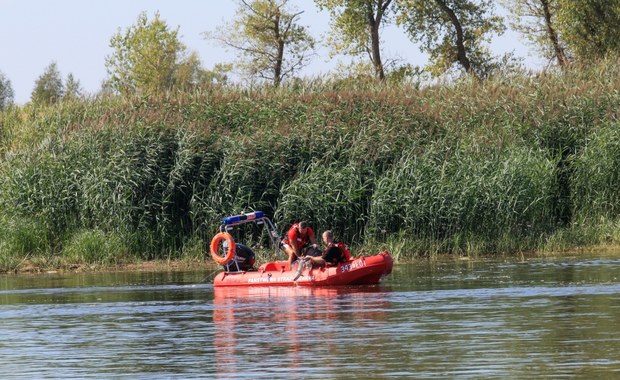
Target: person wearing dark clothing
x,y
334,253
244,259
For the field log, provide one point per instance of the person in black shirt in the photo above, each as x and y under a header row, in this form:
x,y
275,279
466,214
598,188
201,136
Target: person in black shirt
x,y
334,253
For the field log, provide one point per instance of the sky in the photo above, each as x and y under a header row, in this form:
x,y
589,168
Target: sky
x,y
76,35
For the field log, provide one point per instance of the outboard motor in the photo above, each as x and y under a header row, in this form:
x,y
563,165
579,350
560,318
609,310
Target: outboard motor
x,y
244,259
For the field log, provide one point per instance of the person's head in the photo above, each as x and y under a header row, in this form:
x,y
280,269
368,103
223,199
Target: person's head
x,y
328,237
303,227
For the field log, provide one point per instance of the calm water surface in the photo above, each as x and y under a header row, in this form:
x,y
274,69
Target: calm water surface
x,y
453,320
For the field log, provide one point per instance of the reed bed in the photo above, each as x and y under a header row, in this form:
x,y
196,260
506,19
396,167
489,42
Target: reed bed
x,y
596,177
519,163
467,201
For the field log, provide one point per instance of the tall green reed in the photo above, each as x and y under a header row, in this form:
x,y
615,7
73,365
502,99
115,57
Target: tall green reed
x,y
464,167
460,197
596,178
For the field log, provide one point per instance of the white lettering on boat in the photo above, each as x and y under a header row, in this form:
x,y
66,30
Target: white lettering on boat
x,y
353,265
273,279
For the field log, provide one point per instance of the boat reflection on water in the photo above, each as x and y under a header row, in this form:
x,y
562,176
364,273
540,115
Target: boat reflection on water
x,y
255,323
247,292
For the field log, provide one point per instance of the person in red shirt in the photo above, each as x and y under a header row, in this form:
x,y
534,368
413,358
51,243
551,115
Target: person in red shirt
x,y
299,238
334,253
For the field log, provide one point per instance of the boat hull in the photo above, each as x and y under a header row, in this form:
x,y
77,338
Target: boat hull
x,y
368,270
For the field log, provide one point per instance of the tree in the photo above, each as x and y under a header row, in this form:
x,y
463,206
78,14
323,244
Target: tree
x,y
590,28
270,43
453,32
73,89
537,21
355,27
145,57
218,75
48,88
6,92
190,74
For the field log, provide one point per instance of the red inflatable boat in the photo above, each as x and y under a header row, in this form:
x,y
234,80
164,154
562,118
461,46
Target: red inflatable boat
x,y
365,270
361,271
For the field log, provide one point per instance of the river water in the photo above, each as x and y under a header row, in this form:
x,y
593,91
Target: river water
x,y
460,319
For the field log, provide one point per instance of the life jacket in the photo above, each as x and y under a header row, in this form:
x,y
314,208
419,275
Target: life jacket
x,y
345,251
296,235
332,258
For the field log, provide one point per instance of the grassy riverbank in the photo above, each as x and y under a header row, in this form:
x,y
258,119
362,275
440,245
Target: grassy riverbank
x,y
519,164
46,265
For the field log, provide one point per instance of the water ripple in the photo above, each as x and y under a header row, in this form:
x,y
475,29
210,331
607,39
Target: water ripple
x,y
504,320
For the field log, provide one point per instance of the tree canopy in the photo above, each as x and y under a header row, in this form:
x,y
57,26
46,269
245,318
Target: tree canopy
x,y
145,57
270,42
355,28
590,28
453,32
6,92
48,88
537,21
73,89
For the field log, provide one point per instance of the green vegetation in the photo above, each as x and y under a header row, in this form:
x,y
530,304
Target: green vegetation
x,y
6,92
356,29
502,166
269,41
454,32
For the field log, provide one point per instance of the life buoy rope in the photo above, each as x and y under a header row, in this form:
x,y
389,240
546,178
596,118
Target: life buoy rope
x,y
215,244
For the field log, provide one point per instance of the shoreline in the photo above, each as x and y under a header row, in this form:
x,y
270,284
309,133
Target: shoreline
x,y
38,266
32,267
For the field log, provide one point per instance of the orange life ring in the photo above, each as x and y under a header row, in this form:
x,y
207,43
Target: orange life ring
x,y
215,244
